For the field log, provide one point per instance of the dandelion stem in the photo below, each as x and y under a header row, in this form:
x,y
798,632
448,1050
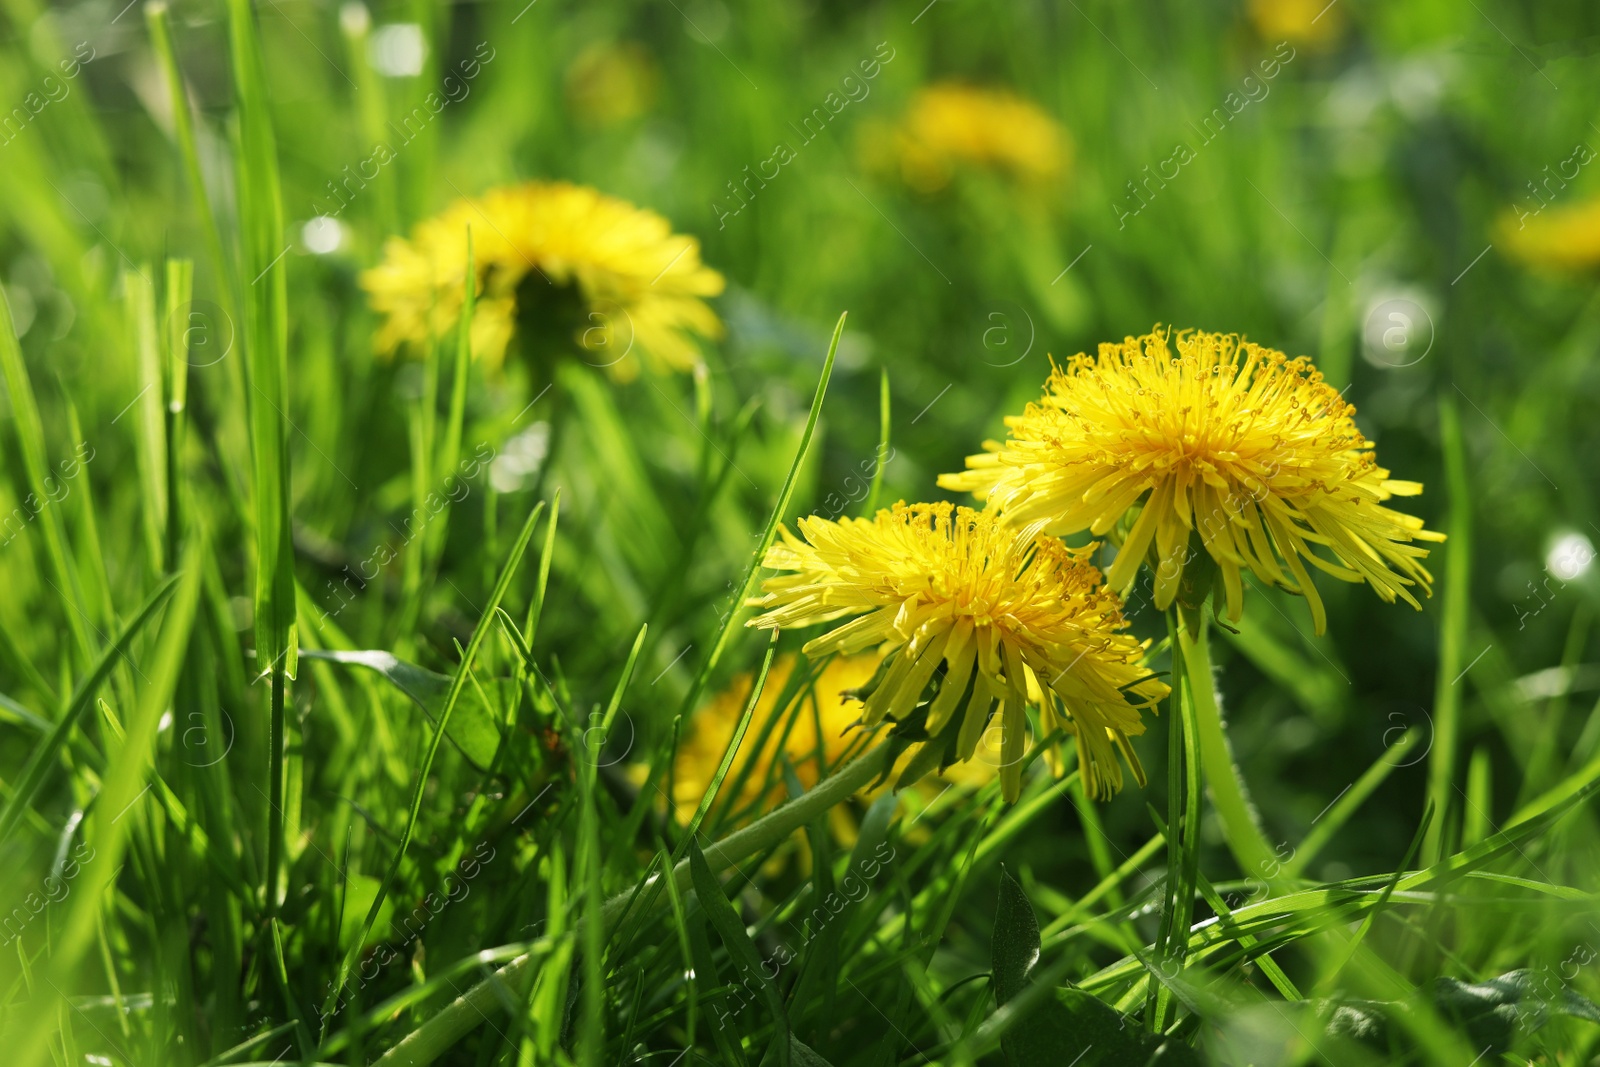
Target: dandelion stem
x,y
457,1019
1239,825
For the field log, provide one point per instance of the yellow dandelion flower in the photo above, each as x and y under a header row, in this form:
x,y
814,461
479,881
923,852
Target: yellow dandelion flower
x,y
1013,618
711,728
1313,23
1248,450
1565,238
550,255
951,125
610,82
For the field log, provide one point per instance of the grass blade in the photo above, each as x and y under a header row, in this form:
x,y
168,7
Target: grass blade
x,y
266,349
44,756
882,458
458,686
779,509
1456,603
127,765
30,438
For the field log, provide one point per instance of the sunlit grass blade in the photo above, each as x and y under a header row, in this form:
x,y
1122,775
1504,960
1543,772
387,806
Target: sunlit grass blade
x,y
44,755
158,18
150,445
106,833
1455,607
31,440
179,290
266,350
882,457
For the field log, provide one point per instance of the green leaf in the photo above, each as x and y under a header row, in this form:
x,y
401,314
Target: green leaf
x,y
802,1055
747,961
1079,1024
705,969
1015,948
360,892
1073,1024
473,729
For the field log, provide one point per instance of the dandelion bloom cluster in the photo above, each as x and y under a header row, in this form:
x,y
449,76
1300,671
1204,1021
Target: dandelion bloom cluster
x,y
1013,618
950,125
641,285
1249,450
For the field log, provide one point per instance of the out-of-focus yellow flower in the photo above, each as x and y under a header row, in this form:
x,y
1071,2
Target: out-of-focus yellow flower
x,y
640,287
1015,619
822,705
1566,238
950,126
1236,443
610,82
1312,23
826,701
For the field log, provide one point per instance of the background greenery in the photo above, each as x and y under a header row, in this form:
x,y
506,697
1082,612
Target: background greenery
x,y
138,842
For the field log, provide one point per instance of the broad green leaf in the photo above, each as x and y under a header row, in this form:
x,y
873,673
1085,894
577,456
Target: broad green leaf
x,y
1015,948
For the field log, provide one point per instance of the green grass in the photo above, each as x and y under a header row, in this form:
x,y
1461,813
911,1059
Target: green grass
x,y
328,734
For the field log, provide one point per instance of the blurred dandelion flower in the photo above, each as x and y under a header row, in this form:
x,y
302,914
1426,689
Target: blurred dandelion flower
x,y
759,774
1312,23
950,125
1249,451
610,82
550,256
763,787
1565,238
1011,616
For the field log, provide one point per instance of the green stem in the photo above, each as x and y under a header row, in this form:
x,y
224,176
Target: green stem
x,y
1183,836
275,785
1239,825
430,1040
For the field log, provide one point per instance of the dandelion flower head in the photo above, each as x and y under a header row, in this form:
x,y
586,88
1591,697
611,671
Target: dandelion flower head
x,y
1565,237
1313,23
1001,617
1250,452
637,287
950,125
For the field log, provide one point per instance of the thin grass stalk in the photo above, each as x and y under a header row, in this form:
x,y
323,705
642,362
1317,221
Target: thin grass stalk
x,y
1455,600
266,327
180,288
